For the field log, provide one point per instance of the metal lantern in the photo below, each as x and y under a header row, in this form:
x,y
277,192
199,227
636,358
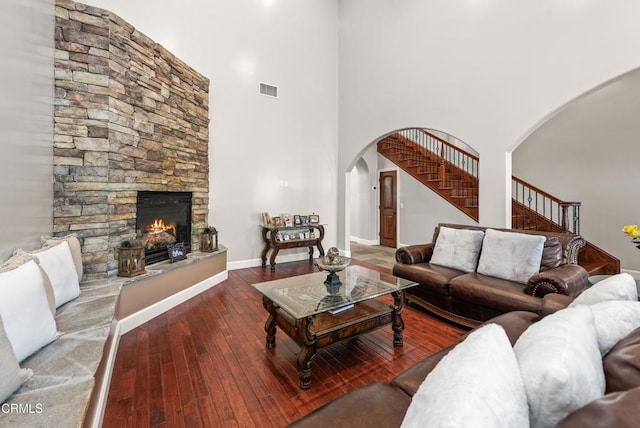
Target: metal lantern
x,y
130,260
209,240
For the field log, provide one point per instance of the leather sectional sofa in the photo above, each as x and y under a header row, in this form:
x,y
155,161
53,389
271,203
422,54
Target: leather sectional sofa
x,y
385,404
469,298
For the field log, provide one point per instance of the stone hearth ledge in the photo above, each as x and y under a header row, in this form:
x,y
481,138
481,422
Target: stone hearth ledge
x,y
71,375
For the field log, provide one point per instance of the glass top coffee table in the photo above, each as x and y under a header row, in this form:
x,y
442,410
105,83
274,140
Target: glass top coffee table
x,y
314,318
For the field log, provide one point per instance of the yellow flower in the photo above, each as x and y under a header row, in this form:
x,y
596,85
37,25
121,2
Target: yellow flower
x,y
632,230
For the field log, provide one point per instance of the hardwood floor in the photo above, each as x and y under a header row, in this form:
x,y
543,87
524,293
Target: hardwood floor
x,y
204,363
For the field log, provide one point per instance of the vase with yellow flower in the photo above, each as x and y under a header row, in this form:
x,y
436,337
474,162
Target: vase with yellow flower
x,y
634,232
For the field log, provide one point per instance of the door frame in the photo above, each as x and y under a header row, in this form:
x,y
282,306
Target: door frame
x,y
398,193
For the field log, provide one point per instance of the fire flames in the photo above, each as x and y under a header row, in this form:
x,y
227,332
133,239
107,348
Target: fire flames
x,y
158,226
159,235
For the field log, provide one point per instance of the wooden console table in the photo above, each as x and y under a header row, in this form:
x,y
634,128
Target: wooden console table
x,y
273,237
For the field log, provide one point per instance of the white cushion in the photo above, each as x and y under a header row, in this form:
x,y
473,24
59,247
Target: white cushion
x,y
57,262
561,365
457,248
11,375
616,287
24,309
74,246
614,320
21,257
477,384
510,255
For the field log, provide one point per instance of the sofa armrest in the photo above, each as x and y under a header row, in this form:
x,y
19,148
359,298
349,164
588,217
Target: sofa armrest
x,y
552,303
414,254
567,279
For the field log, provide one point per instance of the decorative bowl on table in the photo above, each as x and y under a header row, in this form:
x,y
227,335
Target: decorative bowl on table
x,y
333,262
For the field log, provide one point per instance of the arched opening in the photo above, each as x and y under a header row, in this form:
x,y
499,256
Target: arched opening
x,y
586,151
418,207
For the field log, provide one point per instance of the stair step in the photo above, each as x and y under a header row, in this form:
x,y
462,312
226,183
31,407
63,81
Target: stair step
x,y
426,167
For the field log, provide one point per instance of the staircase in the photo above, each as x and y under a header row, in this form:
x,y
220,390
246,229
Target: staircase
x,y
446,169
534,209
452,173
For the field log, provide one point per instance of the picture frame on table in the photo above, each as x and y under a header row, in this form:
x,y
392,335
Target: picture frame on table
x,y
296,220
276,221
314,219
304,220
287,220
266,219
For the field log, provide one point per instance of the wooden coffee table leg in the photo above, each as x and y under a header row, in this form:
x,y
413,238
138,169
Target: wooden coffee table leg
x,y
307,351
270,324
397,323
304,366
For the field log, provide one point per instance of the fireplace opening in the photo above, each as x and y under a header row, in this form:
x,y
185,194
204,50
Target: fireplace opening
x,y
163,219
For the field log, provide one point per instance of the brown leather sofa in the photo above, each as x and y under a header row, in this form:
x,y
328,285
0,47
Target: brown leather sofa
x,y
471,298
385,404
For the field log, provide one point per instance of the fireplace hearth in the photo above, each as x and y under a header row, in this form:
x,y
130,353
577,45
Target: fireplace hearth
x,y
163,219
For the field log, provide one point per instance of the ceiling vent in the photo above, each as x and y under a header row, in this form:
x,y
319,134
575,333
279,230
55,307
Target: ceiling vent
x,y
268,90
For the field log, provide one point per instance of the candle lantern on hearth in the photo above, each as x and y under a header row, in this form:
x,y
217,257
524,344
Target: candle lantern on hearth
x,y
130,259
209,240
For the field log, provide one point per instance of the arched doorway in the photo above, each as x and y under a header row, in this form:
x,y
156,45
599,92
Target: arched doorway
x,y
418,209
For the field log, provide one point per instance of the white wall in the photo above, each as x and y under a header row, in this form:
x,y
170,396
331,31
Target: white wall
x,y
257,142
26,123
486,72
364,199
589,153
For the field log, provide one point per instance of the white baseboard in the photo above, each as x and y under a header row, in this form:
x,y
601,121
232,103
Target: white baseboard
x,y
134,320
364,241
282,258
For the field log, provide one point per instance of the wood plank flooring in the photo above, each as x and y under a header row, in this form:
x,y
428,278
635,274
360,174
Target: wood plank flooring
x,y
204,363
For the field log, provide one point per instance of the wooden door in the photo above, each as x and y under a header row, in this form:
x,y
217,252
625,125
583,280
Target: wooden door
x,y
388,200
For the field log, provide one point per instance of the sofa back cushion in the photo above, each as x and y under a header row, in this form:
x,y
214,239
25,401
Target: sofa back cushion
x,y
551,254
457,249
618,409
622,364
511,256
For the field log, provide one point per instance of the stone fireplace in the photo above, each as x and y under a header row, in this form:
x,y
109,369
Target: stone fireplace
x,y
130,118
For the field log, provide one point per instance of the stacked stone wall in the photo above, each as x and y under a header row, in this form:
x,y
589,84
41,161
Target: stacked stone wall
x,y
129,116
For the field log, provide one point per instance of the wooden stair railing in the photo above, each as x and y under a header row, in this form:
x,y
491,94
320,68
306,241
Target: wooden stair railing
x,y
535,209
446,169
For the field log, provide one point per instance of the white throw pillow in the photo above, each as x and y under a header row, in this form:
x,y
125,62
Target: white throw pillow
x,y
616,287
477,384
24,309
614,320
561,365
510,255
74,246
21,257
11,375
457,248
58,264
